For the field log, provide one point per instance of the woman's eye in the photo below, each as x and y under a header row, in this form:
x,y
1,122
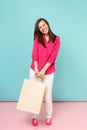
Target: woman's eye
x,y
40,27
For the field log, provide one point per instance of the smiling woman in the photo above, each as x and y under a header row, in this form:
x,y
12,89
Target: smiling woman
x,y
45,50
43,27
69,21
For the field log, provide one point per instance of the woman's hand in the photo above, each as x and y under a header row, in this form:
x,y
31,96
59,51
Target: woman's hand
x,y
41,74
43,71
36,72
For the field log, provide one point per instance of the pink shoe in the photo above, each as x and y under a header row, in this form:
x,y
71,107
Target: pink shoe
x,y
48,122
35,122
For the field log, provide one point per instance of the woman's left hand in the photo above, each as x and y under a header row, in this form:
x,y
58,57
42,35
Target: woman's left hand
x,y
41,74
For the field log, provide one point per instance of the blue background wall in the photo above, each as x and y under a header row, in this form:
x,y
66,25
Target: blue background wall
x,y
67,19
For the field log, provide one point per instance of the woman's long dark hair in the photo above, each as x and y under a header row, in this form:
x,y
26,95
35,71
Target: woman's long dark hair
x,y
38,34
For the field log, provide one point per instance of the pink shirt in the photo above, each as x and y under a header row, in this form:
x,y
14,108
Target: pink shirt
x,y
43,55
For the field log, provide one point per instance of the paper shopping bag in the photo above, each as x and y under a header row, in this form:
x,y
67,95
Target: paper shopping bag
x,y
31,96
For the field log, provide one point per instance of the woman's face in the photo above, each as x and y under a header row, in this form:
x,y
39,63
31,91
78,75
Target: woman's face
x,y
43,27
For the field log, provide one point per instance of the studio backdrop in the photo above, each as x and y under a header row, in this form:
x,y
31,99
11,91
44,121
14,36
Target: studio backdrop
x,y
68,19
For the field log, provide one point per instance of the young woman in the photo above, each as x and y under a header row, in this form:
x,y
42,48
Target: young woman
x,y
45,50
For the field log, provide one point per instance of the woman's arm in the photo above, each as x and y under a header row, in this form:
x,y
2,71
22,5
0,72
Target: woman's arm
x,y
42,72
36,67
45,68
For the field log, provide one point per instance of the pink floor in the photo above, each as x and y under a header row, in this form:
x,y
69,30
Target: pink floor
x,y
67,116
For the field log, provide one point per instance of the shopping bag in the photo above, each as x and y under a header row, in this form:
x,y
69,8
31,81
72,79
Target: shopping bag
x,y
31,96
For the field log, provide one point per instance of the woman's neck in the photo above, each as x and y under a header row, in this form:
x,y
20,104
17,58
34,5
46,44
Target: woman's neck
x,y
46,37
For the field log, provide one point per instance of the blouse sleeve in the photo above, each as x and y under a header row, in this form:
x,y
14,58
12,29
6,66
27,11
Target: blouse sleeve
x,y
34,51
55,51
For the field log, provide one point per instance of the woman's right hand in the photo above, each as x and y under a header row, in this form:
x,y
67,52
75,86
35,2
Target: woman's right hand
x,y
36,71
38,74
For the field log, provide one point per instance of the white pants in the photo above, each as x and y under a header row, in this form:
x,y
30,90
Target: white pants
x,y
48,80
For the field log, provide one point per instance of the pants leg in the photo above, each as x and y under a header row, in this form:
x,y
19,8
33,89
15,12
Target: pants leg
x,y
48,96
32,77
